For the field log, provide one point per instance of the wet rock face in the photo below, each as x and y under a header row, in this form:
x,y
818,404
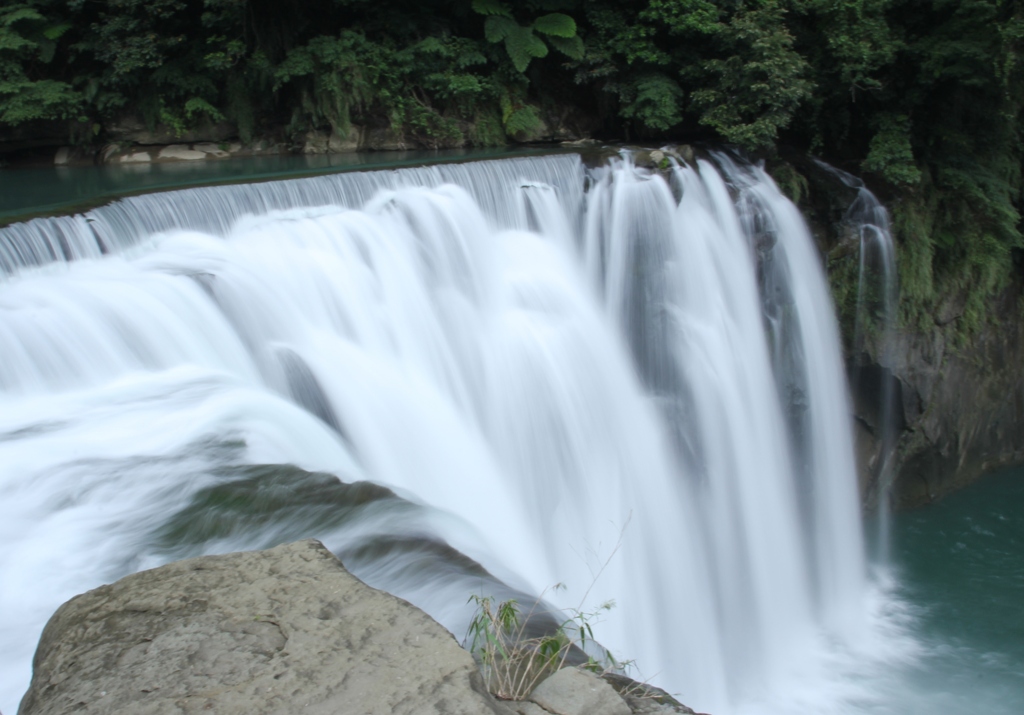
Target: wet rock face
x,y
278,631
959,409
132,128
971,417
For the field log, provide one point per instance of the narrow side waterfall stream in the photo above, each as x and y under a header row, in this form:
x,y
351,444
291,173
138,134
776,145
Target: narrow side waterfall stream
x,y
634,389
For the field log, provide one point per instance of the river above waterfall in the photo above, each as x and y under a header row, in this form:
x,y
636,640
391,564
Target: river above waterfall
x,y
51,189
481,378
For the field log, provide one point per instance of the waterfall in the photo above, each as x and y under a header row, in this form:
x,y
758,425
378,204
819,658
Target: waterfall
x,y
875,326
124,223
634,390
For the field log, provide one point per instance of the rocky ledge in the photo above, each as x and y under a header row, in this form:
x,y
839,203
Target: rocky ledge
x,y
278,631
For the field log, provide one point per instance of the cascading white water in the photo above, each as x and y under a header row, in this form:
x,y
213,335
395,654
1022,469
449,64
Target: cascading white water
x,y
832,529
877,296
124,223
564,388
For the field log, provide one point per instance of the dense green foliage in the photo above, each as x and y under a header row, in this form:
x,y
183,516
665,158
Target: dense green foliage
x,y
921,96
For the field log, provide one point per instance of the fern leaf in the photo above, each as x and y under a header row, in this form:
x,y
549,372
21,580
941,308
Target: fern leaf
x,y
497,28
522,46
555,24
22,13
524,119
470,58
571,47
431,45
47,49
196,106
491,7
55,31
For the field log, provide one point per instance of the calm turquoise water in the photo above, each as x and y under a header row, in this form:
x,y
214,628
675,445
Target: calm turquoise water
x,y
960,564
52,189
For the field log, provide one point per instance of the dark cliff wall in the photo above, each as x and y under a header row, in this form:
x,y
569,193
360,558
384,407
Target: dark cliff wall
x,y
958,404
953,381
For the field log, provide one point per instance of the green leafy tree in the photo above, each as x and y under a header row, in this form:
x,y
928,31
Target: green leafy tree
x,y
759,86
890,153
524,43
28,43
653,99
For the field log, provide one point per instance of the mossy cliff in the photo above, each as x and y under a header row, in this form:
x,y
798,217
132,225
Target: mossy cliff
x,y
950,363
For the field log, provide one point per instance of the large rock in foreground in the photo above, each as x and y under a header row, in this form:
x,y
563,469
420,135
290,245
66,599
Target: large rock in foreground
x,y
280,631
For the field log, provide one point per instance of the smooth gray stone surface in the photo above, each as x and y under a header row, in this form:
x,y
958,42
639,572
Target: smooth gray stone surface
x,y
571,691
286,630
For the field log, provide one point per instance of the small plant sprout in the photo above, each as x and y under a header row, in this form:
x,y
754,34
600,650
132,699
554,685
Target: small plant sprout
x,y
514,663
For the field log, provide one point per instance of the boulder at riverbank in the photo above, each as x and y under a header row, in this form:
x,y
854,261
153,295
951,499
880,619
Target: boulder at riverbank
x,y
278,631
